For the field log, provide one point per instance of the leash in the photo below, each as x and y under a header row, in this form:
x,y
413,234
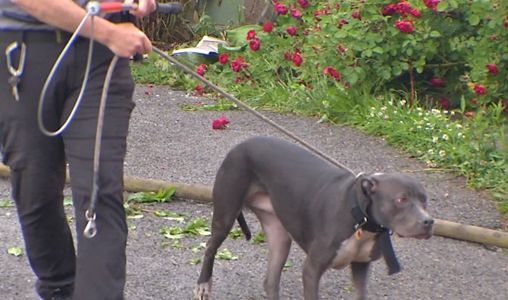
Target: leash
x,y
233,99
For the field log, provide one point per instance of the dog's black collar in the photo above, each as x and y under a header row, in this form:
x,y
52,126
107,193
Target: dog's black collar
x,y
363,222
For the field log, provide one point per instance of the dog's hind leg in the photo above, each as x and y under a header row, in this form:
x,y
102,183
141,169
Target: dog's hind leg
x,y
229,191
278,240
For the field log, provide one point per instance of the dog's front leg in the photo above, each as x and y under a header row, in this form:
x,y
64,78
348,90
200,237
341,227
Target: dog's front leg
x,y
360,272
313,269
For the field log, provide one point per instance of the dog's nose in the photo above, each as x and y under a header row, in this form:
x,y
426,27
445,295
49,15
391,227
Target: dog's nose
x,y
428,222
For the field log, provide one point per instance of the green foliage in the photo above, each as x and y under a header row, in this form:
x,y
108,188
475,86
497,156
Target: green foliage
x,y
163,195
443,58
235,234
474,146
196,227
259,238
225,254
157,70
170,215
15,251
6,203
221,105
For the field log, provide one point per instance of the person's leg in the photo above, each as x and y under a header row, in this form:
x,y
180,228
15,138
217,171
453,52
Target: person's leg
x,y
37,173
101,260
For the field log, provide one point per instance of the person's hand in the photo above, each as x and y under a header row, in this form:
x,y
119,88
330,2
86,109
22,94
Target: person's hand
x,y
145,7
128,40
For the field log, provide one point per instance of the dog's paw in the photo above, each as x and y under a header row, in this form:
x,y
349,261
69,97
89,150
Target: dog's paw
x,y
203,291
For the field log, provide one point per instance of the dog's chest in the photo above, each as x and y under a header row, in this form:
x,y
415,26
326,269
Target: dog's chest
x,y
354,250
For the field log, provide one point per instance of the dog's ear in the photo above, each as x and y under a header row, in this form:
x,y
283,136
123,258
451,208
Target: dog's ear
x,y
369,185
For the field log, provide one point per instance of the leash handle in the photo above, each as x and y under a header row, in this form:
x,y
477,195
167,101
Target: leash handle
x,y
94,8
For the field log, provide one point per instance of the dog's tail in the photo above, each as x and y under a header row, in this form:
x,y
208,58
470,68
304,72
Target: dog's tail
x,y
244,226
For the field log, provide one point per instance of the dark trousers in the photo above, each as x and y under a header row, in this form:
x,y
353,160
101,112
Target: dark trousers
x,y
38,163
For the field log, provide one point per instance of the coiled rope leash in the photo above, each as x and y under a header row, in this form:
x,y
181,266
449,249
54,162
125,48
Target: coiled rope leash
x,y
93,9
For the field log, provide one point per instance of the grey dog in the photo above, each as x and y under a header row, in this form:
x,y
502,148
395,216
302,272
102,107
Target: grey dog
x,y
337,218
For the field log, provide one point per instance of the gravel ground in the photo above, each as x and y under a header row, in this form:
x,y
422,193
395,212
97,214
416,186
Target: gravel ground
x,y
171,144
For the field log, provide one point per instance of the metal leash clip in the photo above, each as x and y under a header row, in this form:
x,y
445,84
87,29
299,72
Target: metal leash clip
x,y
90,229
15,72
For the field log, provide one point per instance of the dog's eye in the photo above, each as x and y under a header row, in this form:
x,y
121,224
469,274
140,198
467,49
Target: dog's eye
x,y
402,200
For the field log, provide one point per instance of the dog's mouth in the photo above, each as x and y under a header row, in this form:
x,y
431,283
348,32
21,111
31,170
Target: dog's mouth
x,y
420,236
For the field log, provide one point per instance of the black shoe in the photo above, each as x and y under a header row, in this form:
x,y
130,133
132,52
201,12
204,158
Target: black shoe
x,y
61,294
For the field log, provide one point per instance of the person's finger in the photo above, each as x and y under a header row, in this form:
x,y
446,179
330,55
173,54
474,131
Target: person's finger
x,y
144,8
147,46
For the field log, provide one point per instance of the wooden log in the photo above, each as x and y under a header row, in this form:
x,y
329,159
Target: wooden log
x,y
4,171
471,233
135,184
186,191
204,193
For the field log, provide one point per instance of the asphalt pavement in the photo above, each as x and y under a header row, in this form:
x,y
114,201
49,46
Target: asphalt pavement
x,y
169,143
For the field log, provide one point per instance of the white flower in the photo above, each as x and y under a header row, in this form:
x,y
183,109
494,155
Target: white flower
x,y
430,164
460,135
435,139
442,153
403,102
445,137
431,151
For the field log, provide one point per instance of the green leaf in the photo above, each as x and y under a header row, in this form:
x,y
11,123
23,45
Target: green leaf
x,y
235,234
6,203
287,265
378,50
435,34
163,195
172,232
462,104
442,6
259,238
474,20
198,226
170,215
15,251
226,255
453,3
